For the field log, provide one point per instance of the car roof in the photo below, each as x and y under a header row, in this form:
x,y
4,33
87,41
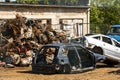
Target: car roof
x,y
116,25
94,35
63,44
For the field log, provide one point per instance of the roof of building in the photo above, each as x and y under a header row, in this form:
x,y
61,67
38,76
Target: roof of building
x,y
33,5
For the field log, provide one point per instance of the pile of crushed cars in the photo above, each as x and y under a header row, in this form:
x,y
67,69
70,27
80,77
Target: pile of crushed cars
x,y
21,39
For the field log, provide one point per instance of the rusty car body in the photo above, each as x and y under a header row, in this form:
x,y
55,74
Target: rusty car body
x,y
68,58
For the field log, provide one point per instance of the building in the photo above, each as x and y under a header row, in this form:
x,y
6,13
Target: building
x,y
74,19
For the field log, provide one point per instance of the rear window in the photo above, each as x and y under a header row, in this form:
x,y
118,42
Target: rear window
x,y
83,53
115,30
97,37
73,57
47,55
116,44
85,56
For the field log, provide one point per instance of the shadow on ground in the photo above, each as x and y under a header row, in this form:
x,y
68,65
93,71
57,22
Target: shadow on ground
x,y
115,72
102,65
30,72
99,65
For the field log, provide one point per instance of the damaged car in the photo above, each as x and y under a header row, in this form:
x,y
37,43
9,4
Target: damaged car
x,y
63,58
103,45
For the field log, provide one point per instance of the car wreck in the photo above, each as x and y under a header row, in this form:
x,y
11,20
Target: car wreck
x,y
103,45
63,58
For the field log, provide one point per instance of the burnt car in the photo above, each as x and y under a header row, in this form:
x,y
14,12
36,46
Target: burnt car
x,y
63,58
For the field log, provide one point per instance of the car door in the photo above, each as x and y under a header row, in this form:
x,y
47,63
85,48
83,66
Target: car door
x,y
87,59
73,58
117,49
109,48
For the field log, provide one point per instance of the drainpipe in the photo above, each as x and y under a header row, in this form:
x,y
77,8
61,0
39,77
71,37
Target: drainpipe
x,y
88,21
88,18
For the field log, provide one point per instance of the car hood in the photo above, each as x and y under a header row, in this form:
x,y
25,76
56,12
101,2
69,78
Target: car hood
x,y
115,36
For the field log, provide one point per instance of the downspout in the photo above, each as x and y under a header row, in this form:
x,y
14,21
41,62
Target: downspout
x,y
88,21
88,17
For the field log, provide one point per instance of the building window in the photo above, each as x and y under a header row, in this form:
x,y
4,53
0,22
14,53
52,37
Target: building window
x,y
73,27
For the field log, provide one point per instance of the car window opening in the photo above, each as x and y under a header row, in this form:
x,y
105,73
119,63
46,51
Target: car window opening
x,y
50,54
86,58
107,40
73,58
46,56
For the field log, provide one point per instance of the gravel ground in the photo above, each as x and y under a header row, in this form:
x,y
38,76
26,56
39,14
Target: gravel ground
x,y
102,72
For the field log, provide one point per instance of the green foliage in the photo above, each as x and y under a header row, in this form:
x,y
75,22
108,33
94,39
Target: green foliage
x,y
103,14
54,2
46,2
28,1
74,2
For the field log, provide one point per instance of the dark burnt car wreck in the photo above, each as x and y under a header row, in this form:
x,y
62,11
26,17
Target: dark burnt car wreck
x,y
63,58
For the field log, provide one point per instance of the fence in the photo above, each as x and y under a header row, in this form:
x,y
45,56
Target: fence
x,y
78,29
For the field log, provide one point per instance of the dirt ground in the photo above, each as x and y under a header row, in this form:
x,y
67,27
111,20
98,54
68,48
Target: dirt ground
x,y
102,72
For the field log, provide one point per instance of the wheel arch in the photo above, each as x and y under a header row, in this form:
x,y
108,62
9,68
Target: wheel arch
x,y
98,49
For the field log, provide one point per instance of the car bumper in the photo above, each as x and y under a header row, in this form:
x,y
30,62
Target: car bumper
x,y
44,68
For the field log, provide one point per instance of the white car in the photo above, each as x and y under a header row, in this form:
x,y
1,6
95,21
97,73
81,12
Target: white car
x,y
104,45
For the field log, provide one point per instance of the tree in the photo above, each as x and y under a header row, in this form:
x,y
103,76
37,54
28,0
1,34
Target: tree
x,y
117,3
103,14
74,2
46,2
28,1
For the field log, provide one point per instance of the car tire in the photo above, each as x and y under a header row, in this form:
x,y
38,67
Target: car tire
x,y
1,56
98,50
66,69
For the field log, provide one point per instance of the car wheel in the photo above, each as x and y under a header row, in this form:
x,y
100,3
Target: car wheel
x,y
1,56
66,69
98,50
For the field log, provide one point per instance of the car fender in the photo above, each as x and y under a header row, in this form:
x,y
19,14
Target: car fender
x,y
91,42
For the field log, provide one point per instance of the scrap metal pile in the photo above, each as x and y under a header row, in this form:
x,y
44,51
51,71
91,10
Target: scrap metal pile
x,y
21,39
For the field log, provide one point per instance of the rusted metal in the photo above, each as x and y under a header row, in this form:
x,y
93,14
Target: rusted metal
x,y
20,36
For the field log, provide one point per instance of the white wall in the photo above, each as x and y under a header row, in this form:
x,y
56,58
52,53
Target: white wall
x,y
53,13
